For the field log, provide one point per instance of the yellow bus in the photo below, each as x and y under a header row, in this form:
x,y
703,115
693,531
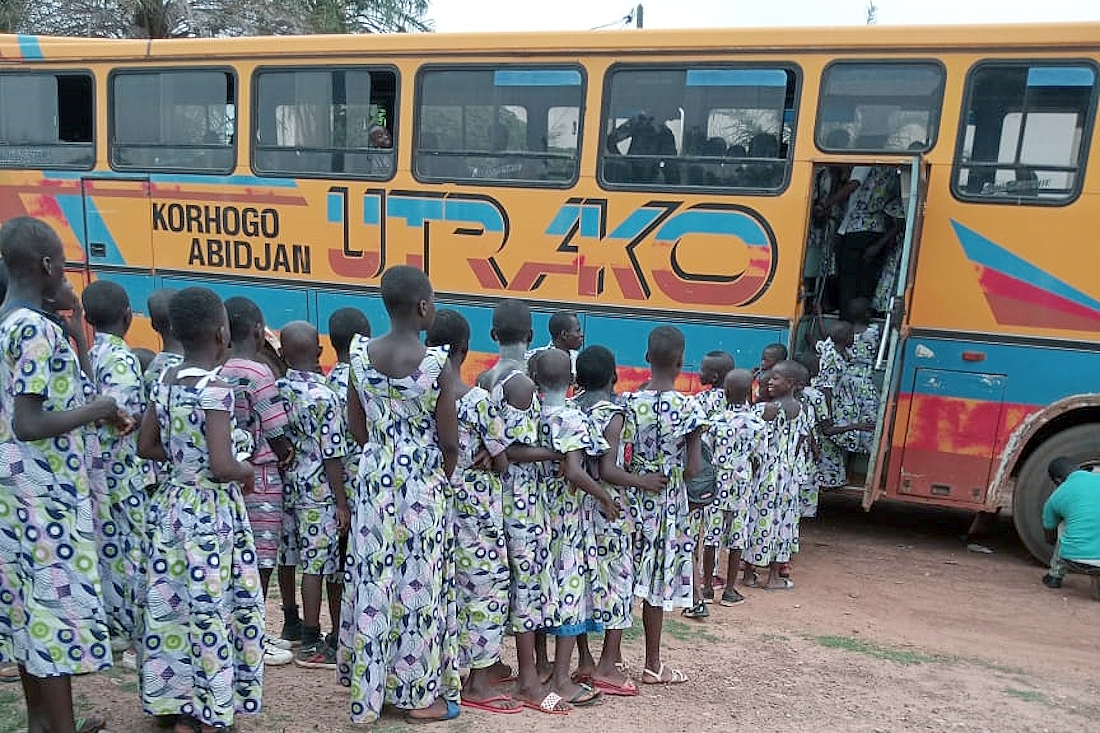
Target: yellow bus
x,y
636,177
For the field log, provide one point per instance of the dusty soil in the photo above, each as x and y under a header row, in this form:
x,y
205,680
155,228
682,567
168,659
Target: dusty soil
x,y
893,626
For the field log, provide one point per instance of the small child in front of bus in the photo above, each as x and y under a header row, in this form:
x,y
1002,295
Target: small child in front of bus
x,y
120,475
740,452
669,425
769,357
316,430
344,326
774,514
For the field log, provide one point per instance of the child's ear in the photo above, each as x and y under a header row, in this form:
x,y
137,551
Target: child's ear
x,y
647,361
493,335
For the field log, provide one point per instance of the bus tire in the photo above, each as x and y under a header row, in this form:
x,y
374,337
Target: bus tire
x,y
1033,485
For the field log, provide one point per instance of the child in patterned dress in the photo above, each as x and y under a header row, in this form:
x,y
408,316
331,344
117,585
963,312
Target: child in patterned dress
x,y
171,351
344,326
738,435
575,576
526,524
712,401
667,441
315,428
202,651
774,515
769,357
596,375
56,629
120,512
481,552
260,411
397,645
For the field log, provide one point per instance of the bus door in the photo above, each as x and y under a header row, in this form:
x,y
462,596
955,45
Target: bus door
x,y
914,189
118,226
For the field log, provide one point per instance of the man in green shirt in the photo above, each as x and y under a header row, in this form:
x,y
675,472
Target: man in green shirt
x,y
1075,504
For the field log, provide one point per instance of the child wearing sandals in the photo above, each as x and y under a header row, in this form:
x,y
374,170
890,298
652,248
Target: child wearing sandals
x,y
774,514
397,645
567,486
46,503
596,375
481,552
526,523
738,435
202,652
667,441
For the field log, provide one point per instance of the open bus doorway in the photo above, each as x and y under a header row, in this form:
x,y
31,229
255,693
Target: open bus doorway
x,y
859,247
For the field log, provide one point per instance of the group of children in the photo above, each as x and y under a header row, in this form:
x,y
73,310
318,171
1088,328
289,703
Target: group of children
x,y
437,516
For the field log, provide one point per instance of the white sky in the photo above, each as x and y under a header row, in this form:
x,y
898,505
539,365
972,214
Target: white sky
x,y
514,15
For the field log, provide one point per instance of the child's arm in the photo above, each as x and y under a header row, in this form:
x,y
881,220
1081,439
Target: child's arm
x,y
31,422
610,470
149,445
334,472
357,418
224,466
694,465
523,453
333,451
446,418
573,465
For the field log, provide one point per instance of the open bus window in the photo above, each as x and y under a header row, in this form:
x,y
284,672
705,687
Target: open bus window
x,y
181,120
46,120
880,107
1025,133
506,125
325,122
712,127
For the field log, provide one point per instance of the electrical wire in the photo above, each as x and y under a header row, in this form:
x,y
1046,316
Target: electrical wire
x,y
623,21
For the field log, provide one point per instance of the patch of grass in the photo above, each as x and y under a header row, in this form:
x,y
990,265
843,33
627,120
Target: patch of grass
x,y
1027,695
898,656
684,632
125,679
12,712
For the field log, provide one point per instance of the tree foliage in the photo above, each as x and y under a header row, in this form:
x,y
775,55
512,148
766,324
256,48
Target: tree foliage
x,y
189,18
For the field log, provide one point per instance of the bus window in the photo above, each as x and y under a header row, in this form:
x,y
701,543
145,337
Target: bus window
x,y
514,125
879,107
325,122
1024,134
181,120
724,127
46,120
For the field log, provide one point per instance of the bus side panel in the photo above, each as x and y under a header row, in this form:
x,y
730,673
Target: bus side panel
x,y
961,400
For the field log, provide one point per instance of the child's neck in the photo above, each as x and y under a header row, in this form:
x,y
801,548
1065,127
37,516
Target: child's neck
x,y
246,349
554,397
404,328
170,344
662,379
300,366
513,352
29,293
114,329
603,393
204,357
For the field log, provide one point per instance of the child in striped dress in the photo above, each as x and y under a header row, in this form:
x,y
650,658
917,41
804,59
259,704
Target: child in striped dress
x,y
481,552
596,375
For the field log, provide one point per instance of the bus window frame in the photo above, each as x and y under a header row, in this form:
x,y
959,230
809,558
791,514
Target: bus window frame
x,y
933,140
788,170
582,109
254,93
122,70
55,72
1087,131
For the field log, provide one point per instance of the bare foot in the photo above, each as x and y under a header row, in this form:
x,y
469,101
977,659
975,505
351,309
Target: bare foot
x,y
500,672
436,711
534,697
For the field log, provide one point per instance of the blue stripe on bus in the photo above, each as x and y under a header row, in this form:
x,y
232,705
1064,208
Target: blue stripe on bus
x,y
1064,371
740,225
1060,76
29,48
279,304
537,78
176,178
736,78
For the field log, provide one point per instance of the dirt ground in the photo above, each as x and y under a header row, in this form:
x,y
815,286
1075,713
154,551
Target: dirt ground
x,y
894,625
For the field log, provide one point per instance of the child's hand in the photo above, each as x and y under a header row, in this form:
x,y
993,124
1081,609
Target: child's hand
x,y
652,483
609,508
343,519
248,477
482,460
286,463
124,422
104,409
500,464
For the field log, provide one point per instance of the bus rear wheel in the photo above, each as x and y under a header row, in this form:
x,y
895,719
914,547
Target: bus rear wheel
x,y
1033,485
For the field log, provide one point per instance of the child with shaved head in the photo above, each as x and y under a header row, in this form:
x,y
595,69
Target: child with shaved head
x,y
315,428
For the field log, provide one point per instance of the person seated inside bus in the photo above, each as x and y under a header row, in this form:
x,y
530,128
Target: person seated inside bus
x,y
502,163
764,168
711,171
1075,505
379,139
650,139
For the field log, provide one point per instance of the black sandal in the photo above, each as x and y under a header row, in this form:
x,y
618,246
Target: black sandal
x,y
698,611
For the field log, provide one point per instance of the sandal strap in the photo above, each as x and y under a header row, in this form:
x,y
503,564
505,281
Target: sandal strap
x,y
550,702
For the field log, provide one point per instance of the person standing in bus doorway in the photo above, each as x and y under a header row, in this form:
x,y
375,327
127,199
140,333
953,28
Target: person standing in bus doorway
x,y
870,224
566,334
55,629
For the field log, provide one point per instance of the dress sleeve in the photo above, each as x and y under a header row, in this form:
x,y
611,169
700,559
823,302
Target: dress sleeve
x,y
120,377
269,405
494,431
331,437
216,398
30,349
